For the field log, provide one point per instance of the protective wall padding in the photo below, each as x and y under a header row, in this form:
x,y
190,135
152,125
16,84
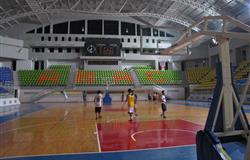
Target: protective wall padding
x,y
205,146
213,107
107,100
236,150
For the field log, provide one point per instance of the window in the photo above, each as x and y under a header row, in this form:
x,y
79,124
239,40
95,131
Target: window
x,y
126,50
68,50
31,31
69,39
153,40
134,40
56,38
42,50
122,39
155,32
83,39
146,31
63,39
51,50
49,38
37,49
127,28
39,30
169,35
42,38
47,29
134,51
77,50
162,34
128,40
77,27
94,26
60,28
76,39
138,30
60,50
111,27
147,40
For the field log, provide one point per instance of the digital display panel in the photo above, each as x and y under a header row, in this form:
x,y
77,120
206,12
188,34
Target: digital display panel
x,y
102,47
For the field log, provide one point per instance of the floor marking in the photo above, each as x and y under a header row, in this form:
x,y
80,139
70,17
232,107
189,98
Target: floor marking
x,y
98,140
110,120
65,115
79,153
152,130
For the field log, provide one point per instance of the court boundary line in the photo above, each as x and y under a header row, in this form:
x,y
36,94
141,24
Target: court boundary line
x,y
151,130
105,152
98,139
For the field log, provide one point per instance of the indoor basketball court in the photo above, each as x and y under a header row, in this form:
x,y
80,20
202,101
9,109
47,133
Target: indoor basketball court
x,y
124,79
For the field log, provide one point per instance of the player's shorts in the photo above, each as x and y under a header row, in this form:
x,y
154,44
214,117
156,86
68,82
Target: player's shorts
x,y
131,110
163,107
98,109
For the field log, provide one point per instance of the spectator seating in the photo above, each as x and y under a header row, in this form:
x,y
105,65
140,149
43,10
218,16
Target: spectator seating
x,y
5,75
194,75
149,77
97,78
208,82
242,71
51,77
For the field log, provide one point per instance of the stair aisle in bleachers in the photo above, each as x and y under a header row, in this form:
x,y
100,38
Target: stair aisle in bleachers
x,y
137,83
72,78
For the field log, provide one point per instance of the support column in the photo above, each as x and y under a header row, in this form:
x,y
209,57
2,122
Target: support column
x,y
227,83
209,59
141,41
156,64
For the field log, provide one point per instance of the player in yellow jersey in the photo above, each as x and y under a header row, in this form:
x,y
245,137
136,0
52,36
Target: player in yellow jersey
x,y
131,104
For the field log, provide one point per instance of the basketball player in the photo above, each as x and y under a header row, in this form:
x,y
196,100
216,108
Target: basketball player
x,y
131,104
98,100
135,98
84,97
163,104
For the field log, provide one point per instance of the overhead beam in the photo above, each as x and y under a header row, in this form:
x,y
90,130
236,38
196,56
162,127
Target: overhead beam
x,y
36,8
188,38
52,4
99,6
124,4
115,14
74,6
147,24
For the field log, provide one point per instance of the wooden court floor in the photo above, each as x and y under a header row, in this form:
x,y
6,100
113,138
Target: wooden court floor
x,y
71,127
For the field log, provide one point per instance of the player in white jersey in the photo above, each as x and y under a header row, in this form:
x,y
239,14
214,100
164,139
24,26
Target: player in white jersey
x,y
163,104
98,100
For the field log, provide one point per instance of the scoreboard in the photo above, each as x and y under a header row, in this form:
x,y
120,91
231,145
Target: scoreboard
x,y
102,47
